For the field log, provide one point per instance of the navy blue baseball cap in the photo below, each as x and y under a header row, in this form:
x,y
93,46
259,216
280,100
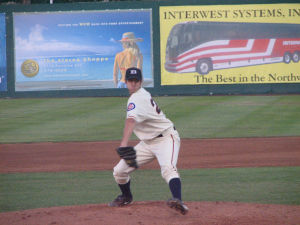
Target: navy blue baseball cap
x,y
133,73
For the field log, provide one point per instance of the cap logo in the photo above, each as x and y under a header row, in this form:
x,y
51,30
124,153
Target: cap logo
x,y
133,72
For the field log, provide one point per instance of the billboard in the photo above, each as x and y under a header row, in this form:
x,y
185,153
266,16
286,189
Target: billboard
x,y
81,50
3,70
230,44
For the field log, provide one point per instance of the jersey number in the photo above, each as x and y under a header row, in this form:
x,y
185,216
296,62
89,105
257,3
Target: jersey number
x,y
153,103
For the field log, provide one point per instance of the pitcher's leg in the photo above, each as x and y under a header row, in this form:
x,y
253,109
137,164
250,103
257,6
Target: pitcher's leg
x,y
122,174
166,151
122,170
144,154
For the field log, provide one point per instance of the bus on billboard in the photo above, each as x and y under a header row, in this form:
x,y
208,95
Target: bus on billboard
x,y
206,46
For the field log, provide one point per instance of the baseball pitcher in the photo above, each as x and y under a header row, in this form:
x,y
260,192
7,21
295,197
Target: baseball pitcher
x,y
158,140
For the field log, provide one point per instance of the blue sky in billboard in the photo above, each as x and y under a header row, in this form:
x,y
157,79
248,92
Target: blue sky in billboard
x,y
3,73
82,43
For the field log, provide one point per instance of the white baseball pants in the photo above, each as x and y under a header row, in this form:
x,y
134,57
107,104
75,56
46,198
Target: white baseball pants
x,y
165,149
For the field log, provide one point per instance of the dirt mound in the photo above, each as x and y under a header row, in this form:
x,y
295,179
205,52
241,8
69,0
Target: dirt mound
x,y
151,213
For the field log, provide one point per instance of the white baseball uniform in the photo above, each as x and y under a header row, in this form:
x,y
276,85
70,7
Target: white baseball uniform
x,y
158,138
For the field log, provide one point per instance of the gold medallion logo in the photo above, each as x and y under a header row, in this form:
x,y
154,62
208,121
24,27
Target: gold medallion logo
x,y
30,68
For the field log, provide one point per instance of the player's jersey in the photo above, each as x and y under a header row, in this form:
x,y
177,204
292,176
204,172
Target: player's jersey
x,y
150,120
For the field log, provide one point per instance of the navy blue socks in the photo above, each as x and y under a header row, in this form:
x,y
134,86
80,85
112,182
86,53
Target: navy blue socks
x,y
174,184
125,189
175,187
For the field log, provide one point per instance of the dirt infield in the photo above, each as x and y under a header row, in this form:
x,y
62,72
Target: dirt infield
x,y
204,153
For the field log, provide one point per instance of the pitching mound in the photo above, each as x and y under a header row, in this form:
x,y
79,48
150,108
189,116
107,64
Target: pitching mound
x,y
142,213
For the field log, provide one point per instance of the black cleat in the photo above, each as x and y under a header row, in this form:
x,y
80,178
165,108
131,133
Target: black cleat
x,y
178,205
120,201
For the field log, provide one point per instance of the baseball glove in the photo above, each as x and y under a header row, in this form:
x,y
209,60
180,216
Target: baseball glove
x,y
129,155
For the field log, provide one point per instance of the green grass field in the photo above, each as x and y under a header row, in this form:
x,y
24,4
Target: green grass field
x,y
40,190
95,119
98,119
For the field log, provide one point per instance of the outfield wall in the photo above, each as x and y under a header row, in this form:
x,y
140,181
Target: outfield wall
x,y
186,48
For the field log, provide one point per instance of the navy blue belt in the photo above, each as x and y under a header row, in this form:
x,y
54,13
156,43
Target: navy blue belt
x,y
161,135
